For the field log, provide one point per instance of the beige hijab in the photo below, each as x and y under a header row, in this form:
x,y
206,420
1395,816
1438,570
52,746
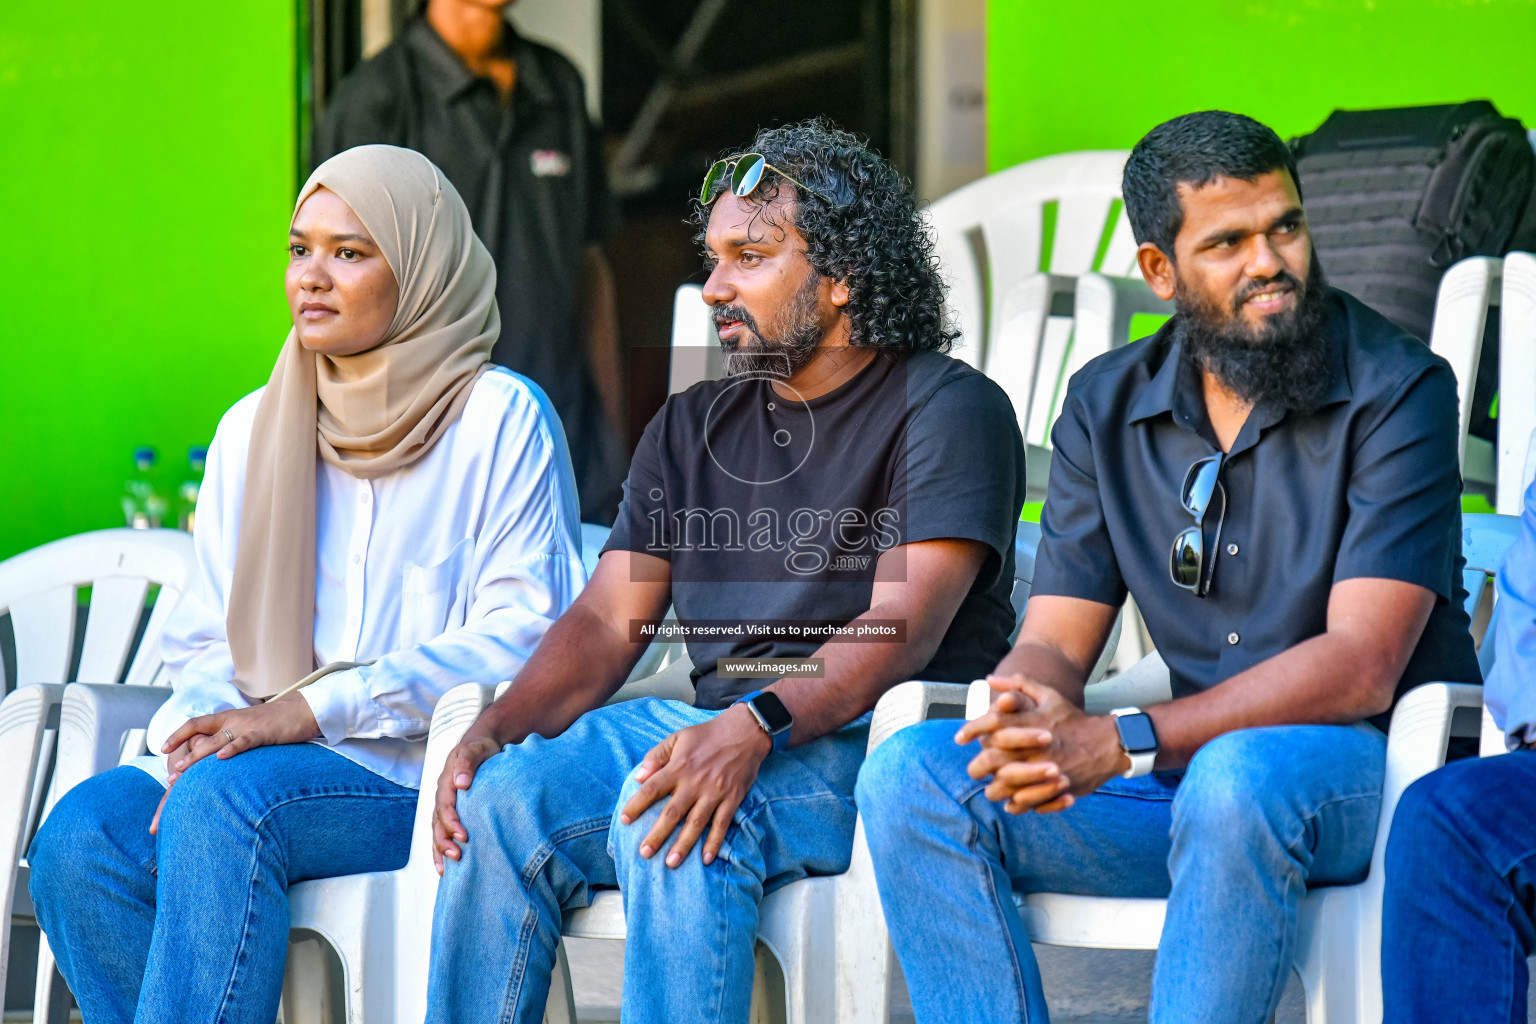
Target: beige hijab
x,y
368,414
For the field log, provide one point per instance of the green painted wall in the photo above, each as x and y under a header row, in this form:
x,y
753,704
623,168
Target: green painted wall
x,y
147,178
1065,75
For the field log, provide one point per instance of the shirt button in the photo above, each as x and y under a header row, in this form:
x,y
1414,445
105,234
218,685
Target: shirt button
x,y
1233,638
365,497
356,559
1231,549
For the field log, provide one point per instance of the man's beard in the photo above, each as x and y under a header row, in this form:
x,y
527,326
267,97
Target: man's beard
x,y
795,337
1285,360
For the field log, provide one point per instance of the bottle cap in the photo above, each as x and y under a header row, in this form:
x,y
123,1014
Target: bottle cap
x,y
145,453
197,453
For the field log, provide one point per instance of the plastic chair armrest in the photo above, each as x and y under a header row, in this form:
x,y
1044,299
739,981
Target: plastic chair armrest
x,y
1103,310
92,724
912,702
1422,723
1143,684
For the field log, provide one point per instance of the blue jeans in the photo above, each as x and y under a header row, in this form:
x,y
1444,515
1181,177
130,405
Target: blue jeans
x,y
191,926
542,821
1461,894
1258,815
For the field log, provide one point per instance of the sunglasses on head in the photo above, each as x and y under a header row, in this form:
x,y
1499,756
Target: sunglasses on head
x,y
1187,563
745,174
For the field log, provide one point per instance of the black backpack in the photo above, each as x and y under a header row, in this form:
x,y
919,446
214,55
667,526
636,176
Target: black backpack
x,y
1394,197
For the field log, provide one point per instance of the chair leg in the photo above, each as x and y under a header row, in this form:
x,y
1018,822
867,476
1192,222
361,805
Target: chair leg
x,y
309,993
769,995
52,999
561,1007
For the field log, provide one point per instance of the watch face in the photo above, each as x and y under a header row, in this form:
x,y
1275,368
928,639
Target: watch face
x,y
773,711
1136,734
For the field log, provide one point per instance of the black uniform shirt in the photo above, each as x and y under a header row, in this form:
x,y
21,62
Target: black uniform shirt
x,y
1366,486
532,176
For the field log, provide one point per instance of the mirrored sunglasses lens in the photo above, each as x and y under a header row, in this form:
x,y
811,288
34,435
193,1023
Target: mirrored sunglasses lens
x,y
1187,558
749,171
711,179
1199,485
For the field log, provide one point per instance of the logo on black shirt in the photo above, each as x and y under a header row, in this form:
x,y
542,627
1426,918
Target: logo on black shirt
x,y
812,541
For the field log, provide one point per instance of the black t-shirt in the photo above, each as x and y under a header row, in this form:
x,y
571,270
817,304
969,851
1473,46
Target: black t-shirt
x,y
775,510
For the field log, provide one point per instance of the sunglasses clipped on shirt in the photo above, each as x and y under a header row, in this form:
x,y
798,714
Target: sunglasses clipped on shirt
x,y
745,173
1187,564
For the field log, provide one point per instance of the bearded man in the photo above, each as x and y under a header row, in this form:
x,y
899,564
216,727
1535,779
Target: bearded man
x,y
848,480
1274,477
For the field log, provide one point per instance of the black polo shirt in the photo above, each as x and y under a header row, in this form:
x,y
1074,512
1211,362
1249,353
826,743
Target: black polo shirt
x,y
532,176
1366,486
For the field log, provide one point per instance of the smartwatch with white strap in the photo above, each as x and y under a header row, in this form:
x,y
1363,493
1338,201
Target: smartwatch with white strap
x,y
1137,738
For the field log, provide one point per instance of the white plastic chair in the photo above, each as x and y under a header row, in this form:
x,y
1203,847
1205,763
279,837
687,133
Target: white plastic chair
x,y
991,234
104,725
1030,337
1016,291
53,735
1103,311
799,926
695,345
1339,941
1052,325
1517,381
1468,293
378,925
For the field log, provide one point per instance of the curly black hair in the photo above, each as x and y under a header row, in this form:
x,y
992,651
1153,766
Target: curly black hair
x,y
860,221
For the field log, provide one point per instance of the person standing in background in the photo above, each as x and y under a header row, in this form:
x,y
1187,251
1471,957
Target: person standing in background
x,y
506,120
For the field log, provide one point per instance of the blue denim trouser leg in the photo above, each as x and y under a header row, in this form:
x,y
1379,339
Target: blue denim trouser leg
x,y
1259,814
191,926
1461,894
542,821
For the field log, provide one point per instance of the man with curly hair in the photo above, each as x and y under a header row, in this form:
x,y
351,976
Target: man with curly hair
x,y
846,482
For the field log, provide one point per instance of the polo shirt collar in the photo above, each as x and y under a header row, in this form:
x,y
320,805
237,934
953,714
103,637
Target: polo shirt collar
x,y
1169,389
453,76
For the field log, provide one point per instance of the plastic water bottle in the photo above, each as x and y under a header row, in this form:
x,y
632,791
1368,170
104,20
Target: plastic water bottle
x,y
143,508
197,458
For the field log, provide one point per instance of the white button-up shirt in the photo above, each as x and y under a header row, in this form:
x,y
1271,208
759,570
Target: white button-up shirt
x,y
448,571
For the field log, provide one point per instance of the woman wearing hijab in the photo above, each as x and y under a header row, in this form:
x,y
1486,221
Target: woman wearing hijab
x,y
389,502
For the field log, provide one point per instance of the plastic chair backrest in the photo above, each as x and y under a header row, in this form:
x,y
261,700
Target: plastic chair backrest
x,y
1025,544
1059,213
1467,292
695,346
1485,542
1517,380
40,589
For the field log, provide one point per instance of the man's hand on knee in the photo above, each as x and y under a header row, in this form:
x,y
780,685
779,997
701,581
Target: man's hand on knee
x,y
458,772
707,770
